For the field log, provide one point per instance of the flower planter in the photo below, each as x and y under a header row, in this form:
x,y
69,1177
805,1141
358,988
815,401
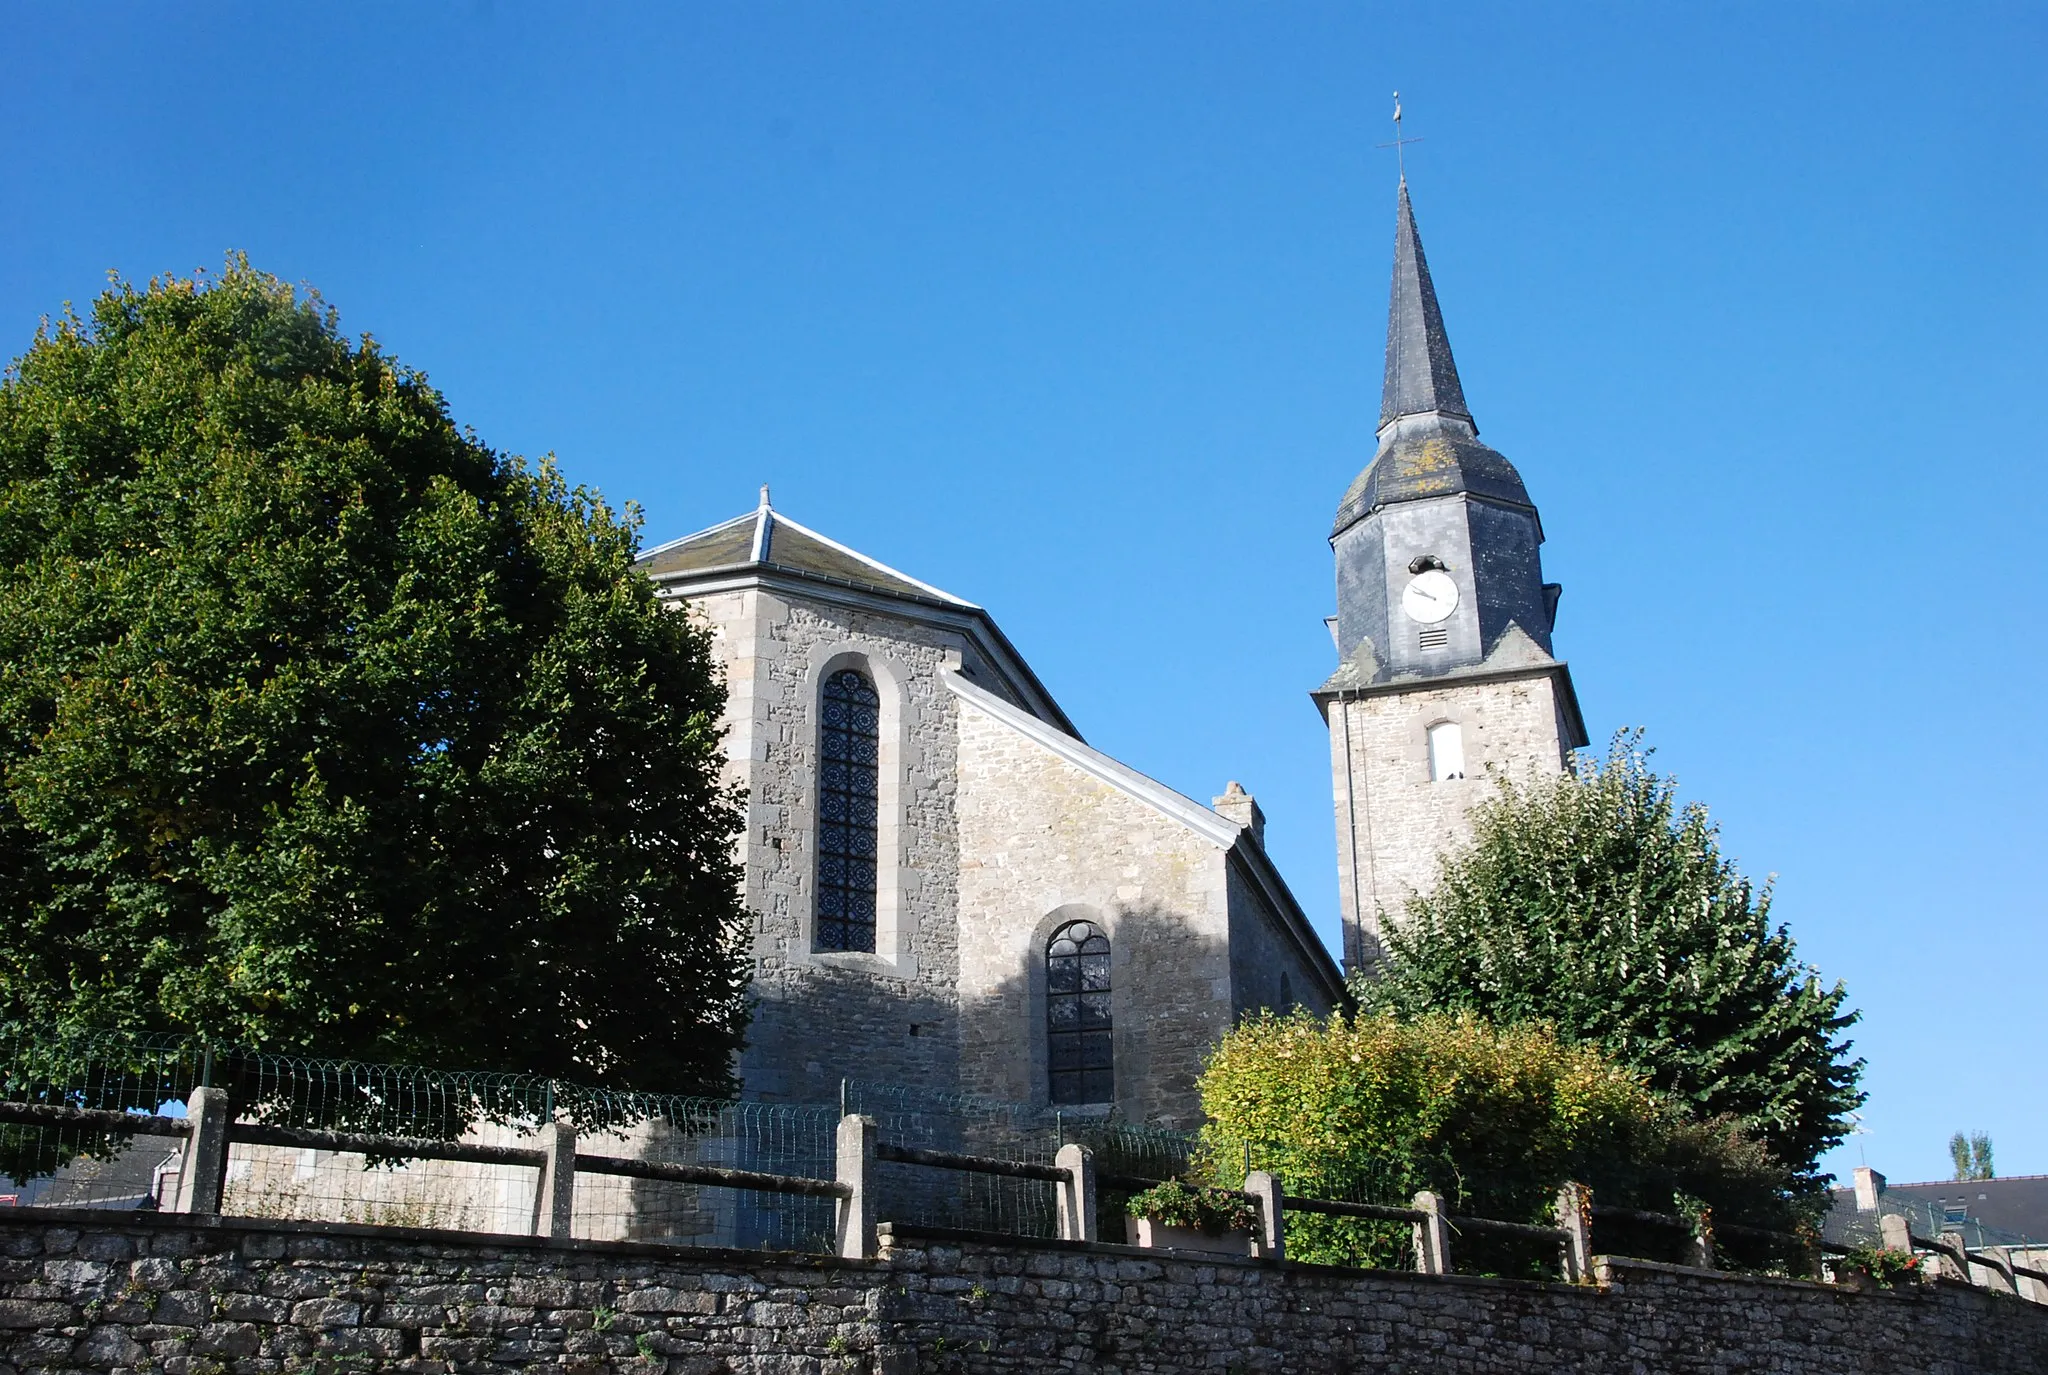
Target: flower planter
x,y
1872,1272
1160,1236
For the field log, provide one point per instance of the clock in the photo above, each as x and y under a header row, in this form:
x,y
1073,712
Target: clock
x,y
1431,597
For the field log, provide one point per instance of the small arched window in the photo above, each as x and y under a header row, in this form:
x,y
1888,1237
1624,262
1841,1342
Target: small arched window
x,y
1077,1031
1446,751
849,745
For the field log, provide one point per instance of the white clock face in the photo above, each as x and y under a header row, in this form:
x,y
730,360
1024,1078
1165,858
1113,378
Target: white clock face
x,y
1431,597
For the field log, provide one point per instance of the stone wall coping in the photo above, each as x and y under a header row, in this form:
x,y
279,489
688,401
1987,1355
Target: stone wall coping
x,y
1610,1270
1604,1265
1233,839
1003,1241
1219,831
114,1219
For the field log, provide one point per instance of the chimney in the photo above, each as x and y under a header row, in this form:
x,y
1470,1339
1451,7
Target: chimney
x,y
1241,807
1869,1184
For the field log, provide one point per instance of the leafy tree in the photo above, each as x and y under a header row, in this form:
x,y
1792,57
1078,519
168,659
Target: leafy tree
x,y
1372,1108
325,728
1972,1155
1593,902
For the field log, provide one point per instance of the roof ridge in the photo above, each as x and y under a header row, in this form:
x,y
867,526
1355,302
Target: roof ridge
x,y
870,561
695,534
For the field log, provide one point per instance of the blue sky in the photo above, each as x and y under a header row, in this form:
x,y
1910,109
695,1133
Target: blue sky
x,y
1076,310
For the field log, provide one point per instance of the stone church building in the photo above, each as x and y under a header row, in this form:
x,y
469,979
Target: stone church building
x,y
952,890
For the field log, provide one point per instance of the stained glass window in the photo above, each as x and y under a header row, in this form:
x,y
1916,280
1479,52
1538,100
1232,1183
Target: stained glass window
x,y
1077,1028
849,739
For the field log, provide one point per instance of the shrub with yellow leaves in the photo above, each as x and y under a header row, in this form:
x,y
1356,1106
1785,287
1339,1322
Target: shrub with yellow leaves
x,y
1371,1109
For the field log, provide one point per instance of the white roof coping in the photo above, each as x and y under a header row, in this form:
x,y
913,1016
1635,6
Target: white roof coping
x,y
1219,831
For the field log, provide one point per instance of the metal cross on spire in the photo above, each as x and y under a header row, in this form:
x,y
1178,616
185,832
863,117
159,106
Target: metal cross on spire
x,y
1400,144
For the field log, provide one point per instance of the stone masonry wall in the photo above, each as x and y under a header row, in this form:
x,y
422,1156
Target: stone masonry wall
x,y
144,1292
891,1016
1267,968
1392,816
1044,842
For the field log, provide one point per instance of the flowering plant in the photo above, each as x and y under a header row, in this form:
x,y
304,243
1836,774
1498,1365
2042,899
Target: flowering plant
x,y
1887,1267
1178,1203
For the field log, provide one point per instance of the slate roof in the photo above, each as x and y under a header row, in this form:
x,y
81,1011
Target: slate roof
x,y
2016,1206
1436,464
764,538
1421,374
1429,445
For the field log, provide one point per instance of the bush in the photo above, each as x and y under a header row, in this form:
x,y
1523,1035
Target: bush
x,y
1596,903
1886,1267
1372,1109
1179,1203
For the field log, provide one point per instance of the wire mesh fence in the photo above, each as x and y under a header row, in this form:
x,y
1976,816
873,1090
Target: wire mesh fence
x,y
387,1181
399,1145
81,1165
934,1120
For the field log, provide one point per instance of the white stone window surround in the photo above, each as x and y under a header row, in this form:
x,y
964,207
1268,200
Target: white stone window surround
x,y
1031,953
1444,740
894,934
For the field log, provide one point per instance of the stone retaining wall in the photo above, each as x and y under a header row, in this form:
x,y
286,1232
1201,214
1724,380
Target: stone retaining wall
x,y
83,1290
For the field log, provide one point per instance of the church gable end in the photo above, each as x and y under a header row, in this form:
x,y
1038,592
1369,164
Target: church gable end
x,y
933,855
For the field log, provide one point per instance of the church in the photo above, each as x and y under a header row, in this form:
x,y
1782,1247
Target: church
x,y
952,890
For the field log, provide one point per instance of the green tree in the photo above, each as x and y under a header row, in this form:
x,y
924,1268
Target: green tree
x,y
325,728
1595,903
1972,1155
1372,1108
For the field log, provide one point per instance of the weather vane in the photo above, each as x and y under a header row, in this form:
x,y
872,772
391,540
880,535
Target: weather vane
x,y
1399,144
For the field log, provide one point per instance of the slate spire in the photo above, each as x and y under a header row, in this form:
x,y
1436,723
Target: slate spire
x,y
1422,379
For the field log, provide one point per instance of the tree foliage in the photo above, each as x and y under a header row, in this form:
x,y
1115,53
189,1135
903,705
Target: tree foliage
x,y
325,728
1373,1108
1972,1156
1596,904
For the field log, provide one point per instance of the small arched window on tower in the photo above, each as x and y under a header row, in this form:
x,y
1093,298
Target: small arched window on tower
x,y
1446,751
849,745
1077,1030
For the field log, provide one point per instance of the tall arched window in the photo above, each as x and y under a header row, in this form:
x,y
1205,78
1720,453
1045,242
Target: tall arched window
x,y
849,741
1446,751
1077,1014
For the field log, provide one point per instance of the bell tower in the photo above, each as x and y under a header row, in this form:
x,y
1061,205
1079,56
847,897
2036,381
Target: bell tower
x,y
1446,677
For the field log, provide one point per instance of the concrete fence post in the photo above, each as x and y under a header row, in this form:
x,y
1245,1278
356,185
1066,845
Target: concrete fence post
x,y
1271,1241
1895,1232
854,1156
1701,1250
554,1201
1076,1193
1951,1268
1575,1218
203,1173
1432,1235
